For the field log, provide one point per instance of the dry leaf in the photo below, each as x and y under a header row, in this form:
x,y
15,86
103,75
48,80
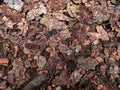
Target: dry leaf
x,y
75,76
8,22
56,5
102,34
2,87
4,61
52,23
64,34
38,9
16,51
60,16
13,15
15,4
1,74
41,61
23,25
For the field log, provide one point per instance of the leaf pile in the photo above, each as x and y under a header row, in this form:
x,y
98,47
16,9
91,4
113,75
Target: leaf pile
x,y
60,44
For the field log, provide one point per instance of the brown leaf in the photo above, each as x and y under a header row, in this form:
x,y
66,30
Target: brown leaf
x,y
13,15
8,22
23,25
56,5
52,51
99,87
64,34
40,72
1,74
49,88
15,4
60,16
52,23
37,10
75,76
102,34
29,56
2,87
16,50
4,61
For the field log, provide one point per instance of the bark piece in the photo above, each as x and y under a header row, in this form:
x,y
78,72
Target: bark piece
x,y
35,82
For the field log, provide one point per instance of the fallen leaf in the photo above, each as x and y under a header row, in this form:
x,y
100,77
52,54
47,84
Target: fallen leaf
x,y
15,4
52,51
41,61
99,87
49,88
60,16
23,25
29,57
56,5
4,61
1,74
102,34
8,22
11,14
75,76
2,87
16,51
40,72
52,23
64,34
37,10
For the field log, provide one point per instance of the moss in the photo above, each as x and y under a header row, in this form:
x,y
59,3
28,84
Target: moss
x,y
73,9
1,45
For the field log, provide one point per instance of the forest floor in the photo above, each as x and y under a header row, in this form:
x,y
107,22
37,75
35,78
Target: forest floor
x,y
59,44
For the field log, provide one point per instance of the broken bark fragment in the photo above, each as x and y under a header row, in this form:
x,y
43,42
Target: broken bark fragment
x,y
37,81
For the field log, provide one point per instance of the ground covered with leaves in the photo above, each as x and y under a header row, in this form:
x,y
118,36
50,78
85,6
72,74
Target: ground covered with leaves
x,y
59,44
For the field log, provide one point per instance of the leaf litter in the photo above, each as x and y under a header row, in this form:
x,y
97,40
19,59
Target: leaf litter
x,y
59,44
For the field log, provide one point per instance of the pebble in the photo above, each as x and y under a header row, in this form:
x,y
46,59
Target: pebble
x,y
78,48
58,88
69,52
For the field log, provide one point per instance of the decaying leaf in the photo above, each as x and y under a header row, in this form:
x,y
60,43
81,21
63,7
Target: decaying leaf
x,y
68,44
37,10
64,34
56,5
17,73
12,15
41,61
15,4
86,63
8,22
23,25
75,76
4,61
52,23
16,51
102,34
